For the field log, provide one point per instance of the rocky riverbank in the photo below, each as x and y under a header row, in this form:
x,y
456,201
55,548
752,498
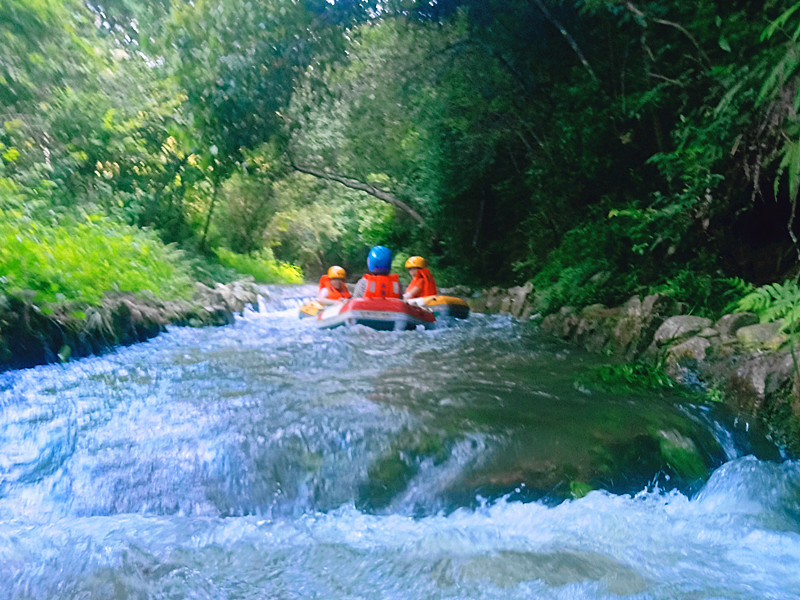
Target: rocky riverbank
x,y
748,364
30,335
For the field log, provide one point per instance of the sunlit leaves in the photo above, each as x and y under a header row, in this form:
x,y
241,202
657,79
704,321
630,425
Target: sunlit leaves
x,y
82,261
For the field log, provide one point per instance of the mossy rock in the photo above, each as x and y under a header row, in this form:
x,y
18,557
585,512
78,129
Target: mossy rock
x,y
386,478
389,475
682,455
579,489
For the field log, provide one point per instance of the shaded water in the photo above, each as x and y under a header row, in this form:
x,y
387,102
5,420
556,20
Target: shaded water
x,y
269,459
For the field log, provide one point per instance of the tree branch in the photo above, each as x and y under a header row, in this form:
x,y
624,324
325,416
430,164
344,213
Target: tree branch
x,y
355,184
630,6
570,40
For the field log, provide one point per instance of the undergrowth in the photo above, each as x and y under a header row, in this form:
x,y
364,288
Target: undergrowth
x,y
262,265
82,260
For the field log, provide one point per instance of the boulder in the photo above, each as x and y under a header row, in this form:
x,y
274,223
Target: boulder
x,y
493,299
728,325
678,327
519,299
477,304
638,322
596,326
692,350
759,376
29,337
709,332
561,324
764,336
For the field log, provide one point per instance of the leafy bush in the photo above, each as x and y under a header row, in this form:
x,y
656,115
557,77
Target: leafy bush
x,y
262,265
82,261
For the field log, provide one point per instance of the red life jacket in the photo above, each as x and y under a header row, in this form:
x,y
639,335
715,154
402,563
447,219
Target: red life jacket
x,y
382,286
333,293
424,281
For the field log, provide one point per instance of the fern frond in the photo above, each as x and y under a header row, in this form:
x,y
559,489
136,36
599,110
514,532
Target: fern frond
x,y
779,22
773,302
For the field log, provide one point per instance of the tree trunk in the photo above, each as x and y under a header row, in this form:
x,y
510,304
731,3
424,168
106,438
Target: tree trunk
x,y
214,195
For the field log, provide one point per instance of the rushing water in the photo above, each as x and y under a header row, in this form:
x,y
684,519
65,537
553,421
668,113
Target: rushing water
x,y
270,459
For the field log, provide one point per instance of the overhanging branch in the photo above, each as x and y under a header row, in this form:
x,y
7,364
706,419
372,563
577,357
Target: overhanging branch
x,y
355,184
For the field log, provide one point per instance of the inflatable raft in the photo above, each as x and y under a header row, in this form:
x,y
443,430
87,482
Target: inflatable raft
x,y
385,314
443,306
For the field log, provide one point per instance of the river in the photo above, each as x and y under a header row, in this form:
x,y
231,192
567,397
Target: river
x,y
272,460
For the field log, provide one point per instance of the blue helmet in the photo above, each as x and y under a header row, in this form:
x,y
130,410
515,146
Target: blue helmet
x,y
379,260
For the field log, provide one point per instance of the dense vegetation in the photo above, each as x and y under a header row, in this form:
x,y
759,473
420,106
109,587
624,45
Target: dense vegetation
x,y
599,147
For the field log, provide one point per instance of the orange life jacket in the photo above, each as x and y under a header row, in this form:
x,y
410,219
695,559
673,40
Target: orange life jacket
x,y
333,293
424,281
382,286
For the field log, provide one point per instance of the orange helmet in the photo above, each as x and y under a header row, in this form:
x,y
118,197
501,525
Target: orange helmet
x,y
336,273
416,262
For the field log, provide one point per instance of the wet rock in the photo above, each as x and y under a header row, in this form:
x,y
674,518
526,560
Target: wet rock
x,y
745,361
562,324
678,327
596,326
516,301
682,455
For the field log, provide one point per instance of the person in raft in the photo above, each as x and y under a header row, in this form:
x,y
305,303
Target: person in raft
x,y
378,283
332,288
422,283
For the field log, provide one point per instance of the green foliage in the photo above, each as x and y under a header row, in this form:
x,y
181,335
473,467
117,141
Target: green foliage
x,y
635,377
632,377
316,224
705,294
261,265
584,269
82,261
775,302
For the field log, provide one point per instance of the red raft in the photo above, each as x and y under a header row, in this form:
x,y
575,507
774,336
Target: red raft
x,y
384,314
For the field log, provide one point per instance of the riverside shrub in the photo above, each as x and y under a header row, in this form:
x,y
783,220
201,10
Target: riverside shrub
x,y
83,260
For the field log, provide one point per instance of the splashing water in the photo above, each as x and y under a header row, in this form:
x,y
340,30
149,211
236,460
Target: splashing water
x,y
271,459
